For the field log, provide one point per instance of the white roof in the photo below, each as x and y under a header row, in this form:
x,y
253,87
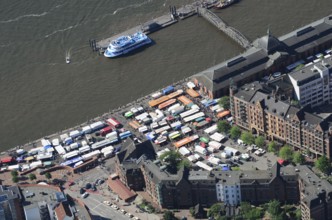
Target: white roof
x,y
74,133
64,136
55,142
217,137
96,125
204,166
86,129
184,151
45,142
159,153
190,85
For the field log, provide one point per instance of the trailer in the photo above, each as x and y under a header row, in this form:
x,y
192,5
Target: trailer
x,y
216,145
111,136
177,110
84,149
35,151
200,150
87,129
173,107
185,101
166,104
214,160
113,123
156,95
218,137
192,93
55,142
184,151
97,125
45,156
188,113
101,144
192,158
176,125
193,117
107,149
168,90
211,149
125,135
164,128
91,154
204,166
185,130
231,151
36,164
141,116
75,134
174,135
106,130
211,129
201,124
70,154
75,146
60,150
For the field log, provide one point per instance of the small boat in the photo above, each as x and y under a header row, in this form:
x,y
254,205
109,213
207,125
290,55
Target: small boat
x,y
68,57
67,60
224,4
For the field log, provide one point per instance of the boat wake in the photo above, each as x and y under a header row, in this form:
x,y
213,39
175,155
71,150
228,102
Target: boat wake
x,y
24,16
61,30
32,15
68,56
132,6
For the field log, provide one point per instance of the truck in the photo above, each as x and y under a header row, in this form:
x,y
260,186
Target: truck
x,y
106,130
168,90
200,150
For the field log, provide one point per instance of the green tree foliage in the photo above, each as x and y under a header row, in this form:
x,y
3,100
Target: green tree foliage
x,y
235,132
172,160
272,147
15,179
168,215
274,208
260,141
286,153
224,102
14,173
298,214
217,209
32,176
250,213
223,127
323,164
48,175
247,138
298,158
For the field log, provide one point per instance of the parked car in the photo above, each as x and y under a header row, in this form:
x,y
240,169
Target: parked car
x,y
86,194
82,191
107,203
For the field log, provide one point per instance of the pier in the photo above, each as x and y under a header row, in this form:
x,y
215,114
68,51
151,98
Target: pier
x,y
233,33
156,24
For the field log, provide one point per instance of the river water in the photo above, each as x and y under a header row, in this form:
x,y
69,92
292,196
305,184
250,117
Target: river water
x,y
40,94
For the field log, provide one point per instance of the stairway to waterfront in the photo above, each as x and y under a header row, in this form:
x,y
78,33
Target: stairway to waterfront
x,y
233,33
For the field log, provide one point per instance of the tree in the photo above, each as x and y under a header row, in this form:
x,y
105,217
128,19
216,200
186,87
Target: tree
x,y
168,215
274,208
223,127
32,176
216,210
224,102
286,153
172,160
272,147
323,164
298,158
14,173
15,179
260,141
235,132
48,175
247,138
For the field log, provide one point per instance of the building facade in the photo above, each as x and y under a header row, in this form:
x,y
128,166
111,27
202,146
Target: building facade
x,y
260,110
313,83
267,55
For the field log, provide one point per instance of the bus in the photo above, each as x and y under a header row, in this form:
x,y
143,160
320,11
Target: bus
x,y
114,123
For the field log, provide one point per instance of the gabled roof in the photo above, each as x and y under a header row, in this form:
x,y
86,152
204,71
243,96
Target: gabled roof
x,y
132,151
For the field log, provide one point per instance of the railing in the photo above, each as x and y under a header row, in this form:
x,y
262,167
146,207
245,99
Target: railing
x,y
221,25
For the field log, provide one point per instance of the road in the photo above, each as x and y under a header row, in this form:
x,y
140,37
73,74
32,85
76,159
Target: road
x,y
97,208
